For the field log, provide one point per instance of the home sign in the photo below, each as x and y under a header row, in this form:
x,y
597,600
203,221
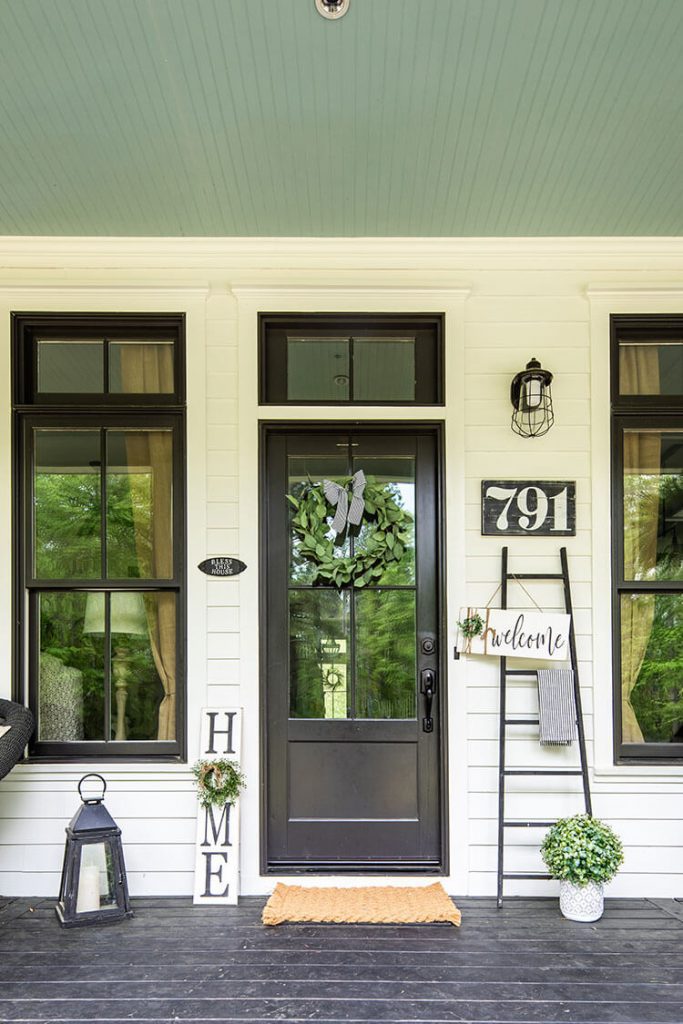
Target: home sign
x,y
542,636
528,507
222,566
216,874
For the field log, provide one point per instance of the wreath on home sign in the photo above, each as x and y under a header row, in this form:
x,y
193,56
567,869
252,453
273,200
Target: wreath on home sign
x,y
218,782
370,503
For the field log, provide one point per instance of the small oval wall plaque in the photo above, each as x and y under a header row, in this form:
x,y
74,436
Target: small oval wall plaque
x,y
222,566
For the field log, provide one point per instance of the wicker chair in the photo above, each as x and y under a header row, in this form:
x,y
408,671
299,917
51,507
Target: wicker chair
x,y
12,743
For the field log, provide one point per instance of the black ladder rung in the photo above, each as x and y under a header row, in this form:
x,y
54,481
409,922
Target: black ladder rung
x,y
534,576
543,771
521,721
528,824
521,672
526,874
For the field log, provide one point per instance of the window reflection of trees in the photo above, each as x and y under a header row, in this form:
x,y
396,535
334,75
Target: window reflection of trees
x,y
657,497
68,546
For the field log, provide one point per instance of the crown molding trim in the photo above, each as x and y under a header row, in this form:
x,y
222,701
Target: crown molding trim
x,y
270,251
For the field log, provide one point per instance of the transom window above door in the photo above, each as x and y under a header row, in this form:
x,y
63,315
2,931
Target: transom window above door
x,y
333,359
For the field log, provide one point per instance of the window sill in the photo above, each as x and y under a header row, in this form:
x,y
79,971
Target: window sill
x,y
645,772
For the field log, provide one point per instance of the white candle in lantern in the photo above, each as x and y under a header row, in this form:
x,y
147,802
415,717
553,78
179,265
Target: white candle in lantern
x,y
88,889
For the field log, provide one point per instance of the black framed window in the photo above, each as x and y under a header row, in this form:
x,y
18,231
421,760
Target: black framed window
x,y
647,495
99,442
336,359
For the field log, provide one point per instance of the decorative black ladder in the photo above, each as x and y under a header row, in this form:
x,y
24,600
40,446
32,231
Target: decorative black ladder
x,y
505,673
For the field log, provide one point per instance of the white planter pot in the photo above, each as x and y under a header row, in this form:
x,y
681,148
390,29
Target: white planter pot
x,y
582,902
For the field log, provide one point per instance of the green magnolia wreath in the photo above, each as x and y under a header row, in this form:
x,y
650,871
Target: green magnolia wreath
x,y
382,545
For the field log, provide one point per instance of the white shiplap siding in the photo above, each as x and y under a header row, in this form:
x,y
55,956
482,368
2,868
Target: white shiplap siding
x,y
502,333
505,302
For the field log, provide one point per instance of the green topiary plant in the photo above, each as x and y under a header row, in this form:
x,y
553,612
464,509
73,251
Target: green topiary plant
x,y
218,782
471,625
582,850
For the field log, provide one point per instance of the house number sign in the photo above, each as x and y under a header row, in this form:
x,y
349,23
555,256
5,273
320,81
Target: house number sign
x,y
521,507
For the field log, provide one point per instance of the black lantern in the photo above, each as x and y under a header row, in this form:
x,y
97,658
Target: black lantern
x,y
93,889
532,401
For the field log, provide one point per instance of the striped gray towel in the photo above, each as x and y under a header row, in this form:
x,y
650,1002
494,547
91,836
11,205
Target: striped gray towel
x,y
556,707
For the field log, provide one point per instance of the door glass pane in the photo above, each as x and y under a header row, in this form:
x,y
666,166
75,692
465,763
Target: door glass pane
x,y
319,653
385,654
70,367
67,508
139,504
651,369
71,670
303,471
318,369
96,882
384,369
396,476
141,367
652,668
653,505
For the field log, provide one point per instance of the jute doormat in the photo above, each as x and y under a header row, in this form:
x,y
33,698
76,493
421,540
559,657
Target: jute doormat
x,y
387,904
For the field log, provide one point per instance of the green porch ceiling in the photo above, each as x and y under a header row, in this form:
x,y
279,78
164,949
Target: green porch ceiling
x,y
404,118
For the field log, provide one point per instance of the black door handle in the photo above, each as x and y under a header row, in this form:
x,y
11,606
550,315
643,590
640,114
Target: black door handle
x,y
428,688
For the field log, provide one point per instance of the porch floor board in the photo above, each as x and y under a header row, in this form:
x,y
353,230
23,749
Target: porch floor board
x,y
176,962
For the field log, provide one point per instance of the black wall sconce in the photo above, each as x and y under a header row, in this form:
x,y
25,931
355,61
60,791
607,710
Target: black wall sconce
x,y
532,401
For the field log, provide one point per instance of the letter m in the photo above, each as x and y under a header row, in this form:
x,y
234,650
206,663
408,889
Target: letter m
x,y
223,823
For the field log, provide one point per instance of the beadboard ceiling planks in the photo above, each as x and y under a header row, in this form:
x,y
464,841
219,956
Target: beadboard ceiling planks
x,y
404,118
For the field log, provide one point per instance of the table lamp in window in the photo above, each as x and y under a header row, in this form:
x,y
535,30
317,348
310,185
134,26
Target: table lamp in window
x,y
127,619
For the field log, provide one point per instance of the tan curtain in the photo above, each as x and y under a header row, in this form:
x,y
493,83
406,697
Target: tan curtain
x,y
148,369
638,375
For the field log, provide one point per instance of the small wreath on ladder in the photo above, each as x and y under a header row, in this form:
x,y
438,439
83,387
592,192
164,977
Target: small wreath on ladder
x,y
372,504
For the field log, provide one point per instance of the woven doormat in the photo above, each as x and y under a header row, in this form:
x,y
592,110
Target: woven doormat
x,y
387,904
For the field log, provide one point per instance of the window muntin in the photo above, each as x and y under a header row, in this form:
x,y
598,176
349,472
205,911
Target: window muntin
x,y
101,577
647,406
376,359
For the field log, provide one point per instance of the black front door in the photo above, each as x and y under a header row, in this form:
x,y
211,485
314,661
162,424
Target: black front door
x,y
353,736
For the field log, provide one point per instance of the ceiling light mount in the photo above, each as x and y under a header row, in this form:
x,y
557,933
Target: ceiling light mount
x,y
332,9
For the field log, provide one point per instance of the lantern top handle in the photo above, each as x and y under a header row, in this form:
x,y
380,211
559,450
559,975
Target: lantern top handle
x,y
92,799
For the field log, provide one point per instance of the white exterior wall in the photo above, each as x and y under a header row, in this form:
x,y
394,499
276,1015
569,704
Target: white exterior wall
x,y
505,301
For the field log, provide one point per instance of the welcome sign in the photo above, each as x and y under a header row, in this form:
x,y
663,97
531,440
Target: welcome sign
x,y
542,636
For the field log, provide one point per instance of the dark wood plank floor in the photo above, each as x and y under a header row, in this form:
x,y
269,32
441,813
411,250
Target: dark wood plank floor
x,y
176,962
